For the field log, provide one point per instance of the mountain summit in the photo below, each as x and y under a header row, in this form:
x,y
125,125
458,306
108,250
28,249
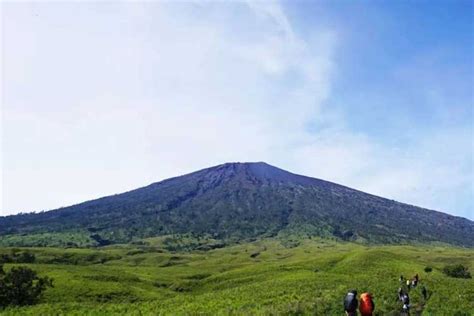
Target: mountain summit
x,y
237,201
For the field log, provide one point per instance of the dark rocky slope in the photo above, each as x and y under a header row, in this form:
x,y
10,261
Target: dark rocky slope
x,y
236,201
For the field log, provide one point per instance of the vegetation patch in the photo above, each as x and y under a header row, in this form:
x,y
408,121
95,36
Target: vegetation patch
x,y
199,276
135,252
457,271
112,278
185,286
70,239
161,284
117,296
78,258
17,256
254,254
21,286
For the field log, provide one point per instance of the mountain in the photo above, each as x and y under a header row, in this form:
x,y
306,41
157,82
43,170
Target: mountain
x,y
237,201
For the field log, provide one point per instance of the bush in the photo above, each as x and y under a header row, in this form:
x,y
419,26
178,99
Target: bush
x,y
428,269
21,286
26,257
255,254
199,276
457,271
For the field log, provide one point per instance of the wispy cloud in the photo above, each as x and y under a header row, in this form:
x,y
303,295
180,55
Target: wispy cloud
x,y
101,98
117,100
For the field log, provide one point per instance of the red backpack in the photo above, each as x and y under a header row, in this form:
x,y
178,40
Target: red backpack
x,y
366,305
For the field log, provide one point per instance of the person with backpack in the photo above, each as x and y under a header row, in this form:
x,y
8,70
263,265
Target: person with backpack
x,y
366,304
400,292
350,303
415,280
401,279
405,299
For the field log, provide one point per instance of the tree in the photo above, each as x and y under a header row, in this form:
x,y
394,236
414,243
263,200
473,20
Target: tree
x,y
21,286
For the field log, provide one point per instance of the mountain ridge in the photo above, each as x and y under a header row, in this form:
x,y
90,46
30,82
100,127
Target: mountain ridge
x,y
234,201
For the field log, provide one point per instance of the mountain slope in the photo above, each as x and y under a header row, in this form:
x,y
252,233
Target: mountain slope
x,y
246,200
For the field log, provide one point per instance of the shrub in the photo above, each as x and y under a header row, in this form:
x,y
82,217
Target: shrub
x,y
160,284
115,296
26,257
255,254
457,271
428,269
199,276
21,286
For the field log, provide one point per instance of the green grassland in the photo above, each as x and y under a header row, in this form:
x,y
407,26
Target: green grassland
x,y
263,277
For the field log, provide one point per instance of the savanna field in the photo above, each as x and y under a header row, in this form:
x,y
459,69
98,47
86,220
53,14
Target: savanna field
x,y
263,277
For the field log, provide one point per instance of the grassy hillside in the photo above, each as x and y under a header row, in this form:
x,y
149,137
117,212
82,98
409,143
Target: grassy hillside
x,y
262,277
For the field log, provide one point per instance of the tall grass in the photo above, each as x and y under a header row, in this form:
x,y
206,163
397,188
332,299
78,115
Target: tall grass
x,y
309,279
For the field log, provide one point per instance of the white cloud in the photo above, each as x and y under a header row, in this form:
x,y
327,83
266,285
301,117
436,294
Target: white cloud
x,y
118,99
432,172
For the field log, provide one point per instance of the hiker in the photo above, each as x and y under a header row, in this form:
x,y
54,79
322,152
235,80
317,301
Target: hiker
x,y
366,306
402,279
414,281
350,303
424,292
405,299
400,293
408,284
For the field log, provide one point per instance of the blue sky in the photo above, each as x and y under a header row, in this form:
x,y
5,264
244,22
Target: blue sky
x,y
99,98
